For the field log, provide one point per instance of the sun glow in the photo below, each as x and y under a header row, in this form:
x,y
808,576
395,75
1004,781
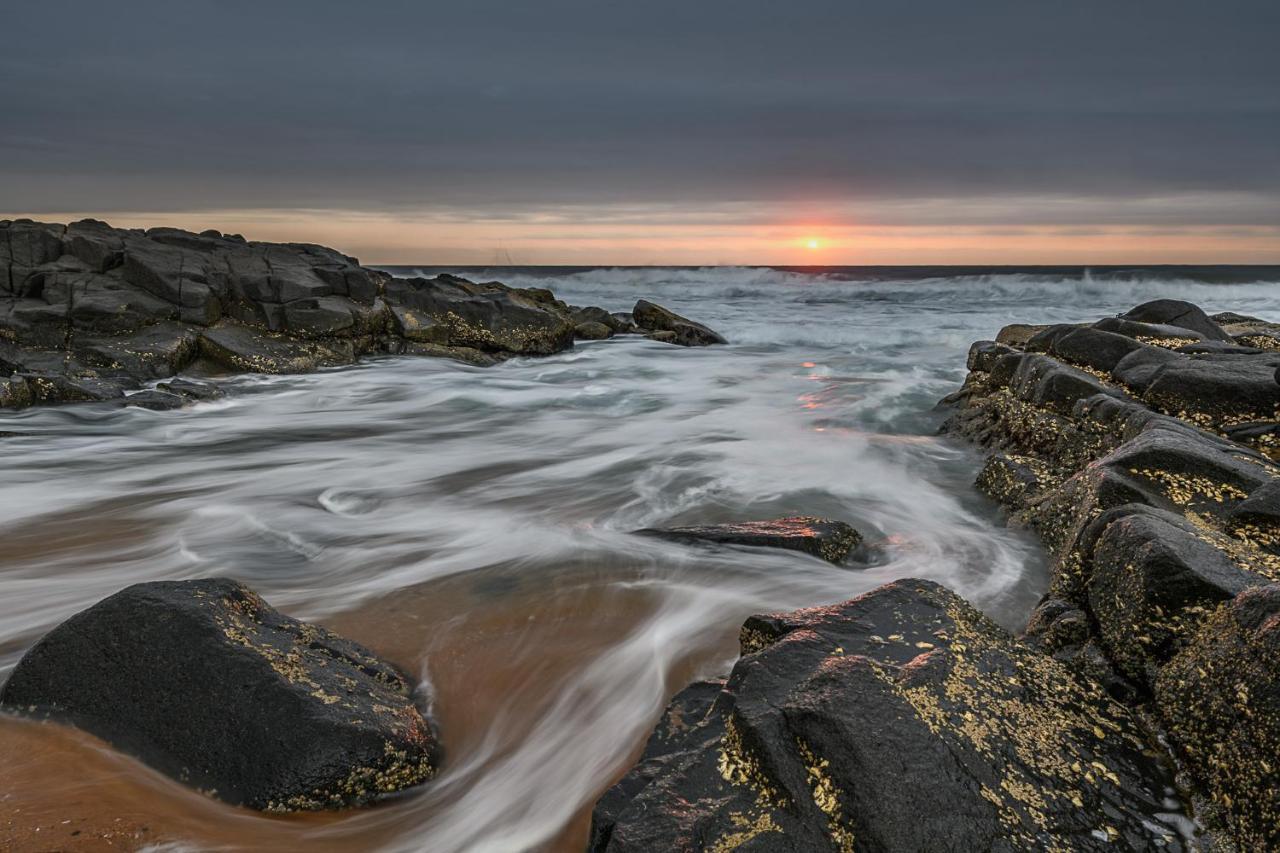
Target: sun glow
x,y
812,243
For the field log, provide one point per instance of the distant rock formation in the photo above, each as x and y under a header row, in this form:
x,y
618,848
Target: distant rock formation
x,y
89,312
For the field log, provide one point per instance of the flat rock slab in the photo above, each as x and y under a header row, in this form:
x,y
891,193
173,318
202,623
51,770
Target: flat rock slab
x,y
903,720
820,537
205,681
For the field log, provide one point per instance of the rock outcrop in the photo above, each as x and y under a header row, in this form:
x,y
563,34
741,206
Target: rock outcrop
x,y
1142,450
89,312
820,537
663,325
204,681
902,720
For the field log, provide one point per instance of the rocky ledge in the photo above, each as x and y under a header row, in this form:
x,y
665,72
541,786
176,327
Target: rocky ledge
x,y
204,681
1141,449
903,720
1145,689
89,312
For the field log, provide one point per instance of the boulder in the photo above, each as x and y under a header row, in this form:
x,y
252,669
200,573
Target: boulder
x,y
819,537
204,681
592,331
1175,312
902,720
683,332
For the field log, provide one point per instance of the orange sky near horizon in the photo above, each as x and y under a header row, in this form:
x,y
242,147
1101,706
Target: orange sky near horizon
x,y
438,241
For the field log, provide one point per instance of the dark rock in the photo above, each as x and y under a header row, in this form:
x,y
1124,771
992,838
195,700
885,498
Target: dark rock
x,y
192,389
1164,535
820,537
1018,334
1175,312
902,720
204,681
624,323
1094,348
1208,391
125,307
1220,699
592,314
156,401
686,333
1217,348
241,348
592,331
984,354
1141,367
1152,579
488,317
1150,333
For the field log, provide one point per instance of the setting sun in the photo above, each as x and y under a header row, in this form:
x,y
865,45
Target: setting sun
x,y
812,243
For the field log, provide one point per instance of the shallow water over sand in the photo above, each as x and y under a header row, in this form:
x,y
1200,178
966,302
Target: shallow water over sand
x,y
472,525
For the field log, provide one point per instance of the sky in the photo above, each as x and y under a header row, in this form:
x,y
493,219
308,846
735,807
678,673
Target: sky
x,y
655,132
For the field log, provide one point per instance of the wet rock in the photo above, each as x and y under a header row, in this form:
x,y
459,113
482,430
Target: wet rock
x,y
206,682
156,401
902,720
624,323
1158,499
1220,699
192,389
592,331
1017,334
819,537
489,317
129,306
1156,334
1175,312
242,348
614,322
684,332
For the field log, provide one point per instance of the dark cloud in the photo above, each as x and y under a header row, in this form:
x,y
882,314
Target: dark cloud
x,y
480,108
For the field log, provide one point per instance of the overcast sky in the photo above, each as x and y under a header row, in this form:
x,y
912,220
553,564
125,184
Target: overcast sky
x,y
700,130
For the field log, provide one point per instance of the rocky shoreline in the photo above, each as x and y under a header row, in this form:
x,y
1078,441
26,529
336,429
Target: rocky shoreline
x,y
1144,693
1138,710
90,313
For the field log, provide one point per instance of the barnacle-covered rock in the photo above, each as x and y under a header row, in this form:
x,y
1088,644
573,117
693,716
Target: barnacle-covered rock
x,y
902,720
1157,496
1220,699
206,682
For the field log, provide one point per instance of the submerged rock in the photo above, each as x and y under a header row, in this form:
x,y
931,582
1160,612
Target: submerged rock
x,y
902,720
820,537
662,324
206,682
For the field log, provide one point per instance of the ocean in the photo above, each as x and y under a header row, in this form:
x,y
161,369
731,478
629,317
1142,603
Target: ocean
x,y
473,524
